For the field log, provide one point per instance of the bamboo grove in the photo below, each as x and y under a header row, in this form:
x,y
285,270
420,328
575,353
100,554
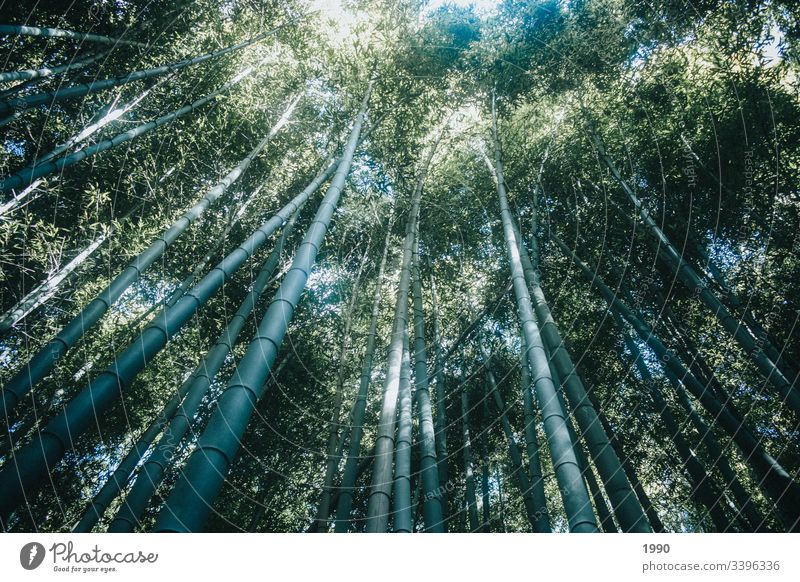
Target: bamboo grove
x,y
372,266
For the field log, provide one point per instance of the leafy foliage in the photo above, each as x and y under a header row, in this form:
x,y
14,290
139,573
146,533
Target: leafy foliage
x,y
697,108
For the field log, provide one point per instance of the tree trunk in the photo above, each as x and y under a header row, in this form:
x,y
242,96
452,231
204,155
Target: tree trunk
x,y
775,480
700,370
345,502
332,459
73,91
687,274
56,438
261,507
380,488
45,359
542,522
762,338
192,497
429,472
577,505
747,509
196,388
402,505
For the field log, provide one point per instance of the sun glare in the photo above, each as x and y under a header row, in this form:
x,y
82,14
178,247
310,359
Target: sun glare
x,y
340,22
482,7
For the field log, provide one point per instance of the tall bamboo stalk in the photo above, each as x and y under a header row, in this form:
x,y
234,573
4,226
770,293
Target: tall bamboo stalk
x,y
443,465
429,471
332,459
31,74
576,501
345,502
763,338
45,359
31,464
628,511
21,198
469,472
771,475
704,487
486,527
72,91
380,487
687,274
118,480
38,170
748,511
607,524
524,484
43,292
499,480
644,499
542,520
17,30
196,388
402,504
107,116
192,498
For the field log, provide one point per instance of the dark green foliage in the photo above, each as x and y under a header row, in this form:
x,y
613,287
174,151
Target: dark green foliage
x,y
695,105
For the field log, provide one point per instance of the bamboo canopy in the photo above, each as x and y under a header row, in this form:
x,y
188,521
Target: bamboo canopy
x,y
399,267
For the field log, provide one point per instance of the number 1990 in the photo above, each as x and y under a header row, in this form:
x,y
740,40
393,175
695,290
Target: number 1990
x,y
656,548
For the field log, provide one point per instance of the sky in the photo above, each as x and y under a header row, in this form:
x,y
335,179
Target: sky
x,y
481,6
342,21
